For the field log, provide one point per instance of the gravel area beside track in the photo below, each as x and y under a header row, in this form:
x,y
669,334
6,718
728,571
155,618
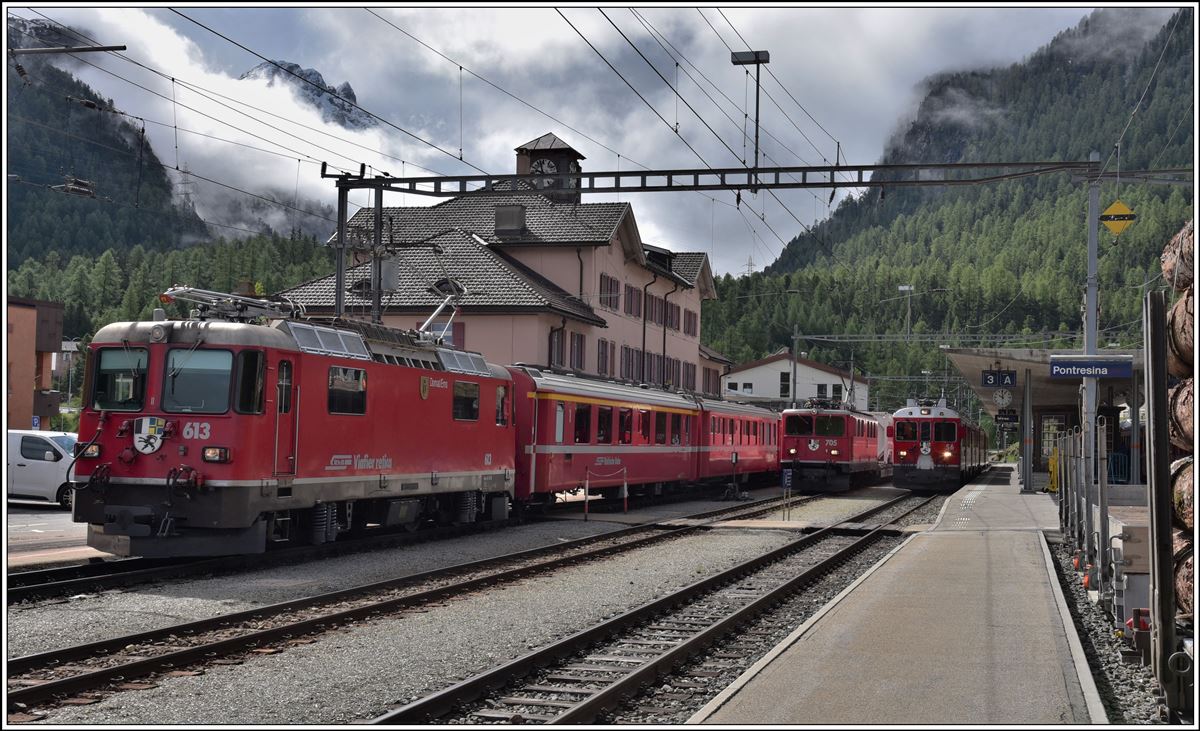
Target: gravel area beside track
x,y
667,703
38,626
834,507
926,516
357,673
1129,692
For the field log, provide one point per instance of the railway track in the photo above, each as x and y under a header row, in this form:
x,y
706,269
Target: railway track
x,y
101,575
41,678
575,680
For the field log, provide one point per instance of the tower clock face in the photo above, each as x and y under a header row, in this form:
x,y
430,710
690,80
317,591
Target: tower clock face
x,y
1002,397
544,167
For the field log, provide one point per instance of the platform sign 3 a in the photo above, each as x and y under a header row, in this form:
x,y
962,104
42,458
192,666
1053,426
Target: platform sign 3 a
x,y
1117,217
998,379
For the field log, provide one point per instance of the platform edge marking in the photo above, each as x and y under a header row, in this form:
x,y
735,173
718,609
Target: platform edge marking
x,y
1083,671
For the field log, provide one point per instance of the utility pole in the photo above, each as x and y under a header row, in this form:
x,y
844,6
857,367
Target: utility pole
x,y
1089,348
757,59
795,353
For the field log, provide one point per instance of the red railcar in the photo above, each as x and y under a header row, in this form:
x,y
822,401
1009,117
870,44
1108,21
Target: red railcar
x,y
218,437
827,446
935,448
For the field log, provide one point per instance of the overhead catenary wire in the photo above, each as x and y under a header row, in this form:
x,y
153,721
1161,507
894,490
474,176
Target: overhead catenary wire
x,y
193,86
337,96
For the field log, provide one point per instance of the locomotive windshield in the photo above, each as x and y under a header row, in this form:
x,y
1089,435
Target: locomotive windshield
x,y
197,381
120,379
944,431
798,425
831,426
906,431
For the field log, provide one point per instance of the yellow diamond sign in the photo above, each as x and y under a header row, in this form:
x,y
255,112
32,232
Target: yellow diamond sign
x,y
1117,216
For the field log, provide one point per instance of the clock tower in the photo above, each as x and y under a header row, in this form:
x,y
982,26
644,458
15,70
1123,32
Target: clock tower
x,y
550,155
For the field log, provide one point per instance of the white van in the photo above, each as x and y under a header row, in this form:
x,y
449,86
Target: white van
x,y
37,465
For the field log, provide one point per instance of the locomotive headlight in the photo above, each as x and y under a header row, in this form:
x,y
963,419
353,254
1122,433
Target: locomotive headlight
x,y
947,454
792,450
92,451
834,452
903,453
216,454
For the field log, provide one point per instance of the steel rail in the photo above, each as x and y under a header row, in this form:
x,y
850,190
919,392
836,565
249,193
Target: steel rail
x,y
31,695
467,691
85,577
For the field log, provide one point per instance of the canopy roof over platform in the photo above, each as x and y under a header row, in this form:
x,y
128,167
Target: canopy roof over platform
x,y
1047,391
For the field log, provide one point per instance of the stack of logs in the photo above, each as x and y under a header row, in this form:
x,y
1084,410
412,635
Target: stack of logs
x,y
1177,263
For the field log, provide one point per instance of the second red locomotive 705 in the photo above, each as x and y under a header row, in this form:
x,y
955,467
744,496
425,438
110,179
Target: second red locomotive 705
x,y
935,448
220,436
827,446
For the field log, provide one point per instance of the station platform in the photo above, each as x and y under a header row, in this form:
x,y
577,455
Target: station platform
x,y
962,624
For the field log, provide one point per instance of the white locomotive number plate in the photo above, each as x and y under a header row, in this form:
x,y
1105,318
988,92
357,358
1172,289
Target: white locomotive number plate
x,y
197,430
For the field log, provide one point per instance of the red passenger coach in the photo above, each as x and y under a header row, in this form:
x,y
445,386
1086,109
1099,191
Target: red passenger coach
x,y
827,446
737,441
583,432
935,448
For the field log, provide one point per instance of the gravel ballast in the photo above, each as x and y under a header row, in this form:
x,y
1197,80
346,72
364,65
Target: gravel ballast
x,y
38,626
1128,691
357,673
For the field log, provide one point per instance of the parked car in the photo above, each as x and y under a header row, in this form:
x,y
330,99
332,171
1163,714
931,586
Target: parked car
x,y
38,462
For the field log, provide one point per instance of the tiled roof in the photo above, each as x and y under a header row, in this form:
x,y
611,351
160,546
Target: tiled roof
x,y
493,281
687,264
549,141
546,222
711,354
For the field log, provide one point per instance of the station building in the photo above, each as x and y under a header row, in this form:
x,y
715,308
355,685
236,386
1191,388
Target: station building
x,y
544,279
769,381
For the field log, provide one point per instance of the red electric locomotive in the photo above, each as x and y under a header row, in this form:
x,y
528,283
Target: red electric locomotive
x,y
216,435
827,446
935,448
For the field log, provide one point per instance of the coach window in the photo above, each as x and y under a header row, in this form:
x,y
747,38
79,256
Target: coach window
x,y
660,427
251,373
644,417
625,436
583,424
604,425
906,431
501,406
348,391
676,428
925,431
466,401
559,416
944,431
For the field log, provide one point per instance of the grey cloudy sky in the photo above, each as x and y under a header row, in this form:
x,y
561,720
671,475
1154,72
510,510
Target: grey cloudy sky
x,y
856,70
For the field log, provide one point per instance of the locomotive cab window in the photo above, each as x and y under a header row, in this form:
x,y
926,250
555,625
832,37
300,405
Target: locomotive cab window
x,y
284,384
644,416
250,381
348,391
944,431
924,431
501,406
120,379
466,401
676,428
798,425
660,427
197,381
906,431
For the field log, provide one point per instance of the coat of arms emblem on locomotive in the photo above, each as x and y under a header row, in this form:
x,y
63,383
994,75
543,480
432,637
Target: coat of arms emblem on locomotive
x,y
813,444
148,434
